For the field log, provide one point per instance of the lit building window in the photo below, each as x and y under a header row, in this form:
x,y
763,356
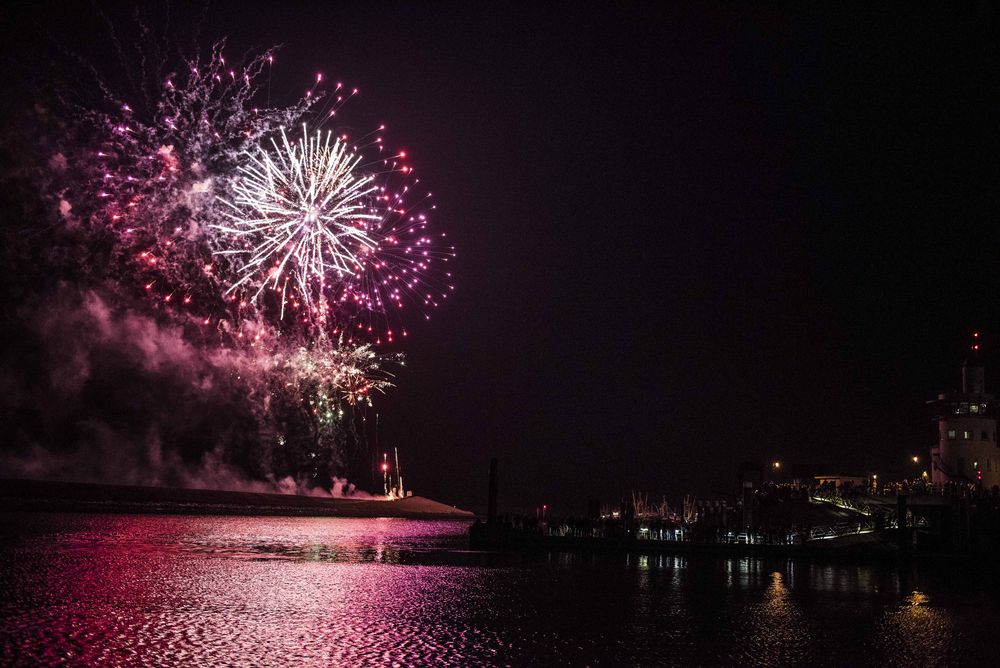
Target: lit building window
x,y
951,433
966,435
974,408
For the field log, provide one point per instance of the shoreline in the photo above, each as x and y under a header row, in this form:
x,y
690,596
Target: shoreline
x,y
884,549
56,496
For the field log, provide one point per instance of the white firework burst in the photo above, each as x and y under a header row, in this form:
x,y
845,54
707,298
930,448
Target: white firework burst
x,y
302,210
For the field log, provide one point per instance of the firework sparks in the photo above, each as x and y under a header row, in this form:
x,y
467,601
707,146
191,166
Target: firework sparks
x,y
332,375
221,218
301,209
313,215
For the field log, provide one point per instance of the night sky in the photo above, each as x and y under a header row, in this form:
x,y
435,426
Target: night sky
x,y
687,237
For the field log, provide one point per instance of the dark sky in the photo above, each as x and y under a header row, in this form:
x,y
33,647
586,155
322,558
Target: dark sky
x,y
686,237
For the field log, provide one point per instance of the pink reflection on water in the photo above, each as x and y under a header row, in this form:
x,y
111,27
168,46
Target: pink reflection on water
x,y
242,591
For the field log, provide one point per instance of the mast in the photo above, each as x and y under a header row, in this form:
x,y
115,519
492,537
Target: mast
x,y
385,474
399,473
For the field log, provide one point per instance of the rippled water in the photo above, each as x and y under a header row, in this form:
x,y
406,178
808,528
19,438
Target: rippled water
x,y
263,591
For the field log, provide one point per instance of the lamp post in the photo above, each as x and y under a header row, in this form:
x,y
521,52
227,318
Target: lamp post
x,y
916,466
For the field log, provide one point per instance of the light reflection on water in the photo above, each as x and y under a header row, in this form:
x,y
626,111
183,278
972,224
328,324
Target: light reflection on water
x,y
157,590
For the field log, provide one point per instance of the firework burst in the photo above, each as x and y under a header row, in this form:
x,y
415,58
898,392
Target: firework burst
x,y
221,218
332,375
302,210
332,235
217,210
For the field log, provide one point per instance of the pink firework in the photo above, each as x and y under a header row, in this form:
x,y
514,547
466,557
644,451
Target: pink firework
x,y
222,219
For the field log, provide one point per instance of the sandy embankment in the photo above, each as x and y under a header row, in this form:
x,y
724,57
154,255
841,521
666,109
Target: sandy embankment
x,y
82,497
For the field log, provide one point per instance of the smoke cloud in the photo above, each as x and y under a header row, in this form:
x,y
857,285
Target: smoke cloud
x,y
96,393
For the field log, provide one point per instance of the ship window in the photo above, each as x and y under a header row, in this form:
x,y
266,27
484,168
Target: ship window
x,y
966,435
951,433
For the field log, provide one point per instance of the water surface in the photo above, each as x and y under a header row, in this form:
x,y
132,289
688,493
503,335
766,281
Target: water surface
x,y
164,590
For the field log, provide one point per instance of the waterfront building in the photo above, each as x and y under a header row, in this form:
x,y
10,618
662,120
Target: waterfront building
x,y
967,450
